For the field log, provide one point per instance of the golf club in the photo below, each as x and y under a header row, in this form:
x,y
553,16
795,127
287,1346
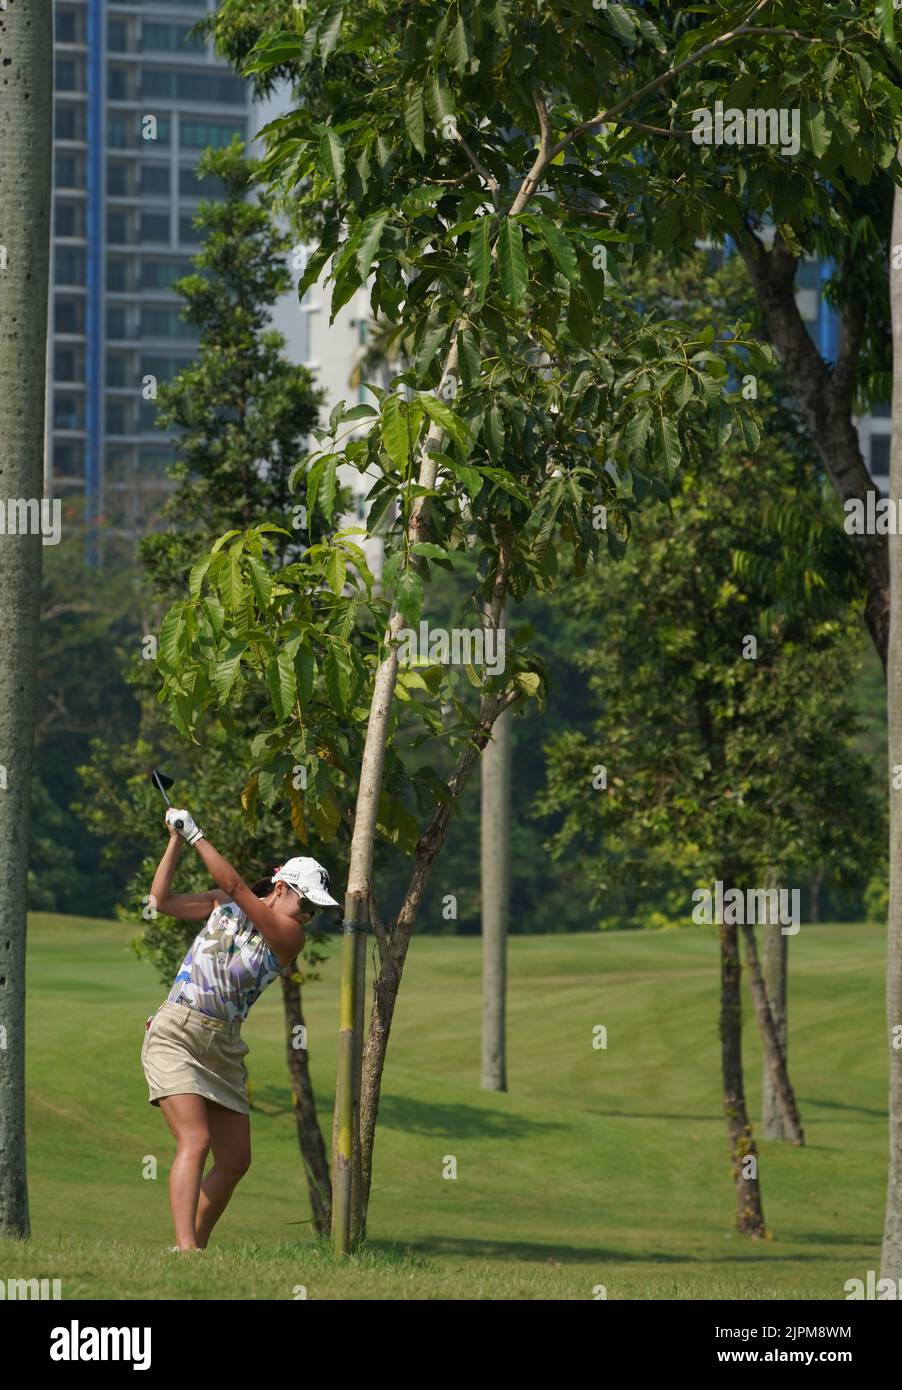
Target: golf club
x,y
161,782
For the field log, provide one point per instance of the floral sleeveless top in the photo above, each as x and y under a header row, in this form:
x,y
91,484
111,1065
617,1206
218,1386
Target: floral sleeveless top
x,y
228,966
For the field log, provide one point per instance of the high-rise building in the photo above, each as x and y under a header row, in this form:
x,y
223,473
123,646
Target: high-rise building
x,y
136,101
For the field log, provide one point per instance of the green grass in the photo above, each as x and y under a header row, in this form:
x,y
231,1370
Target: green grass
x,y
605,1166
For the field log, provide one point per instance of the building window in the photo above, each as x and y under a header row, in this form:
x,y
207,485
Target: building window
x,y
155,178
117,275
147,416
68,412
68,171
69,265
163,368
117,178
117,227
162,275
879,457
117,36
68,123
68,363
68,459
65,77
67,219
155,226
117,369
66,25
169,38
116,321
117,87
188,233
197,135
119,415
117,132
68,315
160,322
190,186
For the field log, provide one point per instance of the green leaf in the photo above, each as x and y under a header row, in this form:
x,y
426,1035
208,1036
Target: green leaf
x,y
459,45
218,544
444,416
667,442
226,670
231,583
415,118
369,241
337,672
512,261
394,432
280,678
261,581
561,249
305,670
335,572
479,257
170,631
329,27
196,577
429,550
332,158
409,596
636,432
328,487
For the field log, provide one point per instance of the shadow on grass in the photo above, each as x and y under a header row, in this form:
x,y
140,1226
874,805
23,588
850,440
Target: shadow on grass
x,y
545,1253
839,1105
419,1117
458,1121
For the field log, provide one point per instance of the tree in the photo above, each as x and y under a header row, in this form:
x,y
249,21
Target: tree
x,y
27,48
530,371
495,766
891,1257
243,412
720,666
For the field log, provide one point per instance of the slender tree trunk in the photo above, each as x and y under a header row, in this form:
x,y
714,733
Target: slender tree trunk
x,y
814,894
891,1259
393,951
26,51
776,945
310,1139
774,1060
743,1152
495,833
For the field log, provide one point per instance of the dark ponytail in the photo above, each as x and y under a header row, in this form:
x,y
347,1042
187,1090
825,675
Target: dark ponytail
x,y
264,886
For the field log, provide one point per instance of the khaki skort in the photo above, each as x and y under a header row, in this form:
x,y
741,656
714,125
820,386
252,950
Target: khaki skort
x,y
187,1052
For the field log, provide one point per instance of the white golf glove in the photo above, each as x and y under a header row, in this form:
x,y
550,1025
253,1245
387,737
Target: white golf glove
x,y
188,830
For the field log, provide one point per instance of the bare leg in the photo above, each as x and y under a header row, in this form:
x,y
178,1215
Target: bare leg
x,y
230,1136
186,1116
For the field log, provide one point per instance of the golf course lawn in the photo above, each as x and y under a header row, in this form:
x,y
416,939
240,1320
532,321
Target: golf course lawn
x,y
598,1166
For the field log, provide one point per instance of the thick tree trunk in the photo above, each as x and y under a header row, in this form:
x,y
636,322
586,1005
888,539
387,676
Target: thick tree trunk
x,y
743,1153
26,51
775,985
826,399
774,1060
891,1259
495,832
310,1139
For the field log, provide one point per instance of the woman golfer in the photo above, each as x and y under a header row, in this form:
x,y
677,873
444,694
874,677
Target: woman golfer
x,y
193,1050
